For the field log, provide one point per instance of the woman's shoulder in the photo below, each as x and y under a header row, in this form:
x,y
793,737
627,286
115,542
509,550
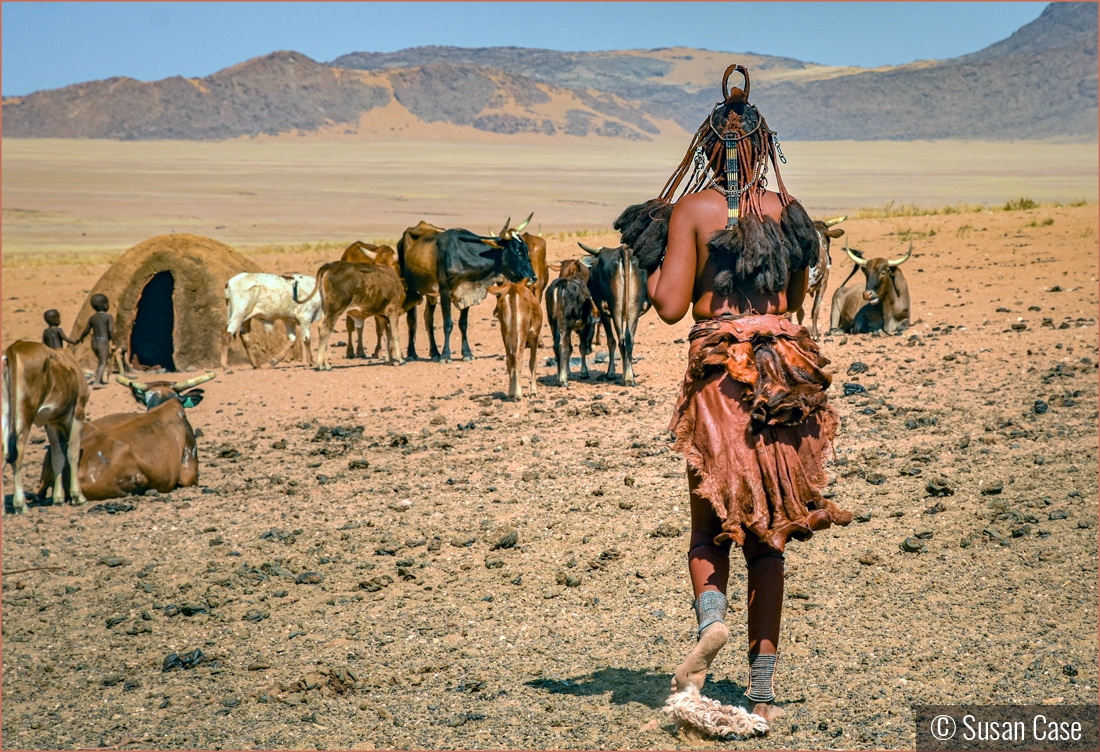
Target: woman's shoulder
x,y
701,204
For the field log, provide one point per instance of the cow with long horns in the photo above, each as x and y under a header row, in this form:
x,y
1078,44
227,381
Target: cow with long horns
x,y
468,265
131,453
883,303
819,273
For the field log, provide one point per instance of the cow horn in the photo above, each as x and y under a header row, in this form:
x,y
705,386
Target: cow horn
x,y
526,222
179,386
506,224
589,249
141,386
903,259
857,259
836,221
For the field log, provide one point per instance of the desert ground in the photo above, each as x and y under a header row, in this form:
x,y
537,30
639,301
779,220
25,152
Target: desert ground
x,y
423,631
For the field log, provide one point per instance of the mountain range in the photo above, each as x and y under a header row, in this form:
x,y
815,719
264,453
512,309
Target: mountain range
x,y
1041,82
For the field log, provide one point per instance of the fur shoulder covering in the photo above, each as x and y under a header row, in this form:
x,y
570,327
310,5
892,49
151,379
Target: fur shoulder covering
x,y
764,253
644,229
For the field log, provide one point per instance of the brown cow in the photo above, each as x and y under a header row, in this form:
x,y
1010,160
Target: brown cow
x,y
884,302
367,289
570,308
419,261
131,453
819,274
536,249
520,317
42,387
618,288
368,253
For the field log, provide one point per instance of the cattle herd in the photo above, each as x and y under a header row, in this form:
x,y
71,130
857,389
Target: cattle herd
x,y
605,288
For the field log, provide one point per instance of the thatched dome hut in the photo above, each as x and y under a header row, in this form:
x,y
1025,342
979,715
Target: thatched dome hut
x,y
167,295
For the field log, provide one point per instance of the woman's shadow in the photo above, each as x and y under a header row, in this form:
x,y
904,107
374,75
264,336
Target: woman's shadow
x,y
635,685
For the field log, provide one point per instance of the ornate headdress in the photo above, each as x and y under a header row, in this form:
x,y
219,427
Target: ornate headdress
x,y
730,153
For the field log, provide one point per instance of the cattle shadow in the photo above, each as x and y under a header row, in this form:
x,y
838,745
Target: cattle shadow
x,y
633,685
32,501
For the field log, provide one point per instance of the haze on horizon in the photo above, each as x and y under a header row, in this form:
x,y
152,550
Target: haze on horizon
x,y
51,45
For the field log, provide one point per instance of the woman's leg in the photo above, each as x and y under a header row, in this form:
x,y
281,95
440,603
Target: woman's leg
x,y
765,611
709,566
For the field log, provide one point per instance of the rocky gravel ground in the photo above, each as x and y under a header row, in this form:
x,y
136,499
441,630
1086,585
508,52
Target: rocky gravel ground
x,y
384,557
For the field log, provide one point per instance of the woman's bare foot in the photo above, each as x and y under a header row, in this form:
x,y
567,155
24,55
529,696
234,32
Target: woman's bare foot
x,y
768,712
693,670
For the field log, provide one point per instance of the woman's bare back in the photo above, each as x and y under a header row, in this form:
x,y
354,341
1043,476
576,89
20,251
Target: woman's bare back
x,y
686,277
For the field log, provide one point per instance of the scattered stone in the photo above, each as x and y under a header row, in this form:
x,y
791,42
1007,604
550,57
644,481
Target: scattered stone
x,y
628,480
259,665
508,540
280,444
858,367
667,529
230,702
494,563
112,507
940,486
853,388
190,609
415,542
115,620
1069,670
869,559
625,504
991,488
1039,407
358,464
1049,555
1021,531
401,506
1018,326
112,679
255,615
114,561
923,534
463,541
864,517
938,507
912,546
309,578
374,584
189,660
875,479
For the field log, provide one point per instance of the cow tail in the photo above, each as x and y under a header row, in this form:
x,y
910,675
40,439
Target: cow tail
x,y
9,398
316,285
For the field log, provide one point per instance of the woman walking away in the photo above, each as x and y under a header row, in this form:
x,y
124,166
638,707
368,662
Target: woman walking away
x,y
752,419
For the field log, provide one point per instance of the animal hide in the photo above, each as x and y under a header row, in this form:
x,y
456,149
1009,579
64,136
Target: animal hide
x,y
644,229
763,252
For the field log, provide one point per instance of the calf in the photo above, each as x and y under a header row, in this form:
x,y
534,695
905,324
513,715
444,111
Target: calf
x,y
42,387
884,302
269,298
369,290
367,253
819,274
618,287
520,318
131,453
570,308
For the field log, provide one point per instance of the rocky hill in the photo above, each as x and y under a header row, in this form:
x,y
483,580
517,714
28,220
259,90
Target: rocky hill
x,y
1041,82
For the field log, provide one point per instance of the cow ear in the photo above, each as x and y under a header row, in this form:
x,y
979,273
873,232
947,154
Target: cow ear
x,y
555,267
192,398
498,290
834,232
588,261
142,397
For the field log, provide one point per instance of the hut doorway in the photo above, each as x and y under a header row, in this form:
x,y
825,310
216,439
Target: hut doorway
x,y
151,337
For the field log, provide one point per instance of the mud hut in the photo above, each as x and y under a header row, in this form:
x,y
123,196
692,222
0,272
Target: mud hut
x,y
167,295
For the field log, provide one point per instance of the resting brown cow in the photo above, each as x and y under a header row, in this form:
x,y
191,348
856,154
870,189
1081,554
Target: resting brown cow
x,y
42,387
520,318
819,274
131,453
883,304
368,253
570,308
367,289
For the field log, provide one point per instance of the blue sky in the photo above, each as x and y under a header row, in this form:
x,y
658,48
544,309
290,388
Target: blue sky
x,y
48,45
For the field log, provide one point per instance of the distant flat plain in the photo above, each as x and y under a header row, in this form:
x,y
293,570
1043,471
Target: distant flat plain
x,y
89,200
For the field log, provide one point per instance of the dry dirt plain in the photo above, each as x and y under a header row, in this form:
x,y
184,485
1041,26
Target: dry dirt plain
x,y
421,634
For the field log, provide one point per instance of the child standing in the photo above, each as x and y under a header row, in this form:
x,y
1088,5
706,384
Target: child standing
x,y
53,337
102,326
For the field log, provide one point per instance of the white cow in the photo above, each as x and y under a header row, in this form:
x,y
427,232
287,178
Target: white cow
x,y
270,298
